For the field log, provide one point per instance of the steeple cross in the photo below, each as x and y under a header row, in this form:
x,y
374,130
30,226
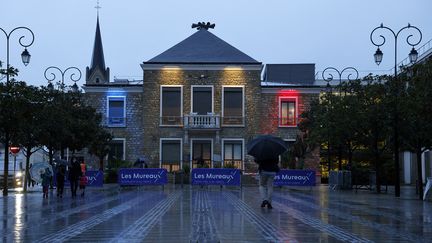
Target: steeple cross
x,y
98,7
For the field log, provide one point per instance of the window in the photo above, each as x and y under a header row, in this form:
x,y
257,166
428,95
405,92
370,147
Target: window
x,y
171,154
233,106
117,150
202,100
116,111
287,112
233,153
201,153
171,105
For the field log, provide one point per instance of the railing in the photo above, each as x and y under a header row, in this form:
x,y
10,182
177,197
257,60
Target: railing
x,y
210,121
423,52
116,122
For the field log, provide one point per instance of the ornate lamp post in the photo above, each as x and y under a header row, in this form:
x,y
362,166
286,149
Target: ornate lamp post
x,y
75,76
74,71
340,73
378,56
328,77
25,56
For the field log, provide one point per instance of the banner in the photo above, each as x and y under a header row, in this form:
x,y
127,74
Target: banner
x,y
228,177
295,178
138,177
95,178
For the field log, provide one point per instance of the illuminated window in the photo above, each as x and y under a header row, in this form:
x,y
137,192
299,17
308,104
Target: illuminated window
x,y
233,153
171,105
116,111
171,154
233,106
287,111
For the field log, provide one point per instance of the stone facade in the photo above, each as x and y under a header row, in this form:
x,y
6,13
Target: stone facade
x,y
153,132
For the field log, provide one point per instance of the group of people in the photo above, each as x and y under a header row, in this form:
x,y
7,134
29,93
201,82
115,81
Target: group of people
x,y
77,177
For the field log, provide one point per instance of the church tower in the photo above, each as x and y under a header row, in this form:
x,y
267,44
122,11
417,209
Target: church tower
x,y
97,73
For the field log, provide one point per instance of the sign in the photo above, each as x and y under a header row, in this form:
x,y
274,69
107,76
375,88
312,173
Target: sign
x,y
295,178
14,150
138,177
228,177
95,178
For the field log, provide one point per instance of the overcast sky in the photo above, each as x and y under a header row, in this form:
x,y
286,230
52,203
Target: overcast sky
x,y
325,32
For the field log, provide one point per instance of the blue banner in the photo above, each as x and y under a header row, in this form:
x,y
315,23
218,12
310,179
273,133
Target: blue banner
x,y
228,177
137,177
295,178
95,178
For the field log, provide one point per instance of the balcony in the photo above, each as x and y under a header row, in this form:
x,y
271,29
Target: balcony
x,y
202,122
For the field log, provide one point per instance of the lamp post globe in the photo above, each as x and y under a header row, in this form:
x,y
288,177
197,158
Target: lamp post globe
x,y
25,56
378,56
413,55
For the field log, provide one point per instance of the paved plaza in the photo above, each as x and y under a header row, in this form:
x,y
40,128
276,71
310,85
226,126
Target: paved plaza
x,y
212,214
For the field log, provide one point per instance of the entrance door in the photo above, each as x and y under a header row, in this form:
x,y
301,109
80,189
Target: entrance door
x,y
201,154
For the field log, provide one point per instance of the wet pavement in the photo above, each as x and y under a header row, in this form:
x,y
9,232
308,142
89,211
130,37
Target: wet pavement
x,y
212,214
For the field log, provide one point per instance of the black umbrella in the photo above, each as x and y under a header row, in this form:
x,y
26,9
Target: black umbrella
x,y
266,147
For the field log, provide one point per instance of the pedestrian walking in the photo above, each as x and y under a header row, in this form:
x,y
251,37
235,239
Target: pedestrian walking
x,y
74,176
60,179
267,171
83,179
82,184
46,179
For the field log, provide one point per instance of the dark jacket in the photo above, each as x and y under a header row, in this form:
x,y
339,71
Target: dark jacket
x,y
75,171
268,165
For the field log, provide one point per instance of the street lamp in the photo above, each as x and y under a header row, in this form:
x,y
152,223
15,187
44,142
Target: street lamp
x,y
328,77
25,55
74,70
340,73
413,55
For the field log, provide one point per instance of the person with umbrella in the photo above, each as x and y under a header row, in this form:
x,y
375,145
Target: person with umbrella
x,y
266,150
46,180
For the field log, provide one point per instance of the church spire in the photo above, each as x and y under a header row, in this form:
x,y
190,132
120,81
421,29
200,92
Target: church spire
x,y
97,72
98,59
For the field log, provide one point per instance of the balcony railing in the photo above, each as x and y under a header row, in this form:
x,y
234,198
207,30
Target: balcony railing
x,y
209,121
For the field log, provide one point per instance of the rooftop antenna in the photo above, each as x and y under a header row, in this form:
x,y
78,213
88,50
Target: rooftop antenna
x,y
98,7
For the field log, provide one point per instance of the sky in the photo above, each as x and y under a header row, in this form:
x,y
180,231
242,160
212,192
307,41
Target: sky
x,y
329,33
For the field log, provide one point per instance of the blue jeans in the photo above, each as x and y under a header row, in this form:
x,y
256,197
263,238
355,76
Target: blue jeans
x,y
266,185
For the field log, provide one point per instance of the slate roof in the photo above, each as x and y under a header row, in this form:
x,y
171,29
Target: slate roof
x,y
295,74
202,47
98,59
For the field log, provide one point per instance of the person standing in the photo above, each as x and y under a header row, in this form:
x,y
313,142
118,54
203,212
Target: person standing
x,y
83,178
60,179
267,171
46,179
74,175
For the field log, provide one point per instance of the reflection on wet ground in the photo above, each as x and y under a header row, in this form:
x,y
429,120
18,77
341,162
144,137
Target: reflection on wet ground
x,y
212,214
